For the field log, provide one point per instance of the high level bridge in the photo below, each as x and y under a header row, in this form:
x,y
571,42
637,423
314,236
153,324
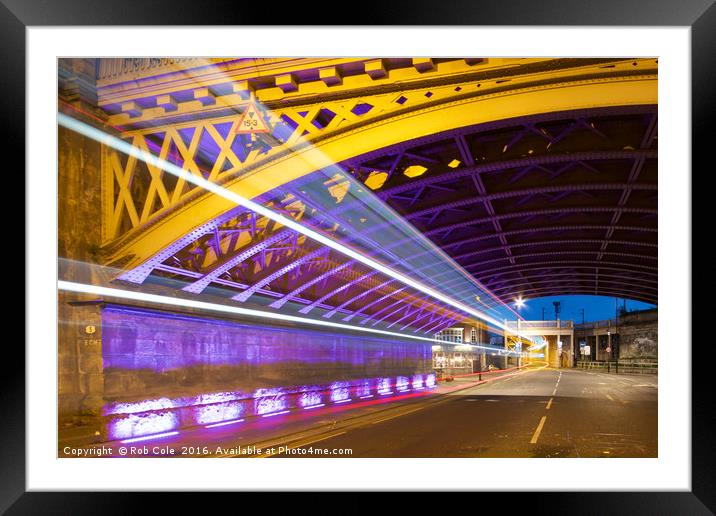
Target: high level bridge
x,y
483,179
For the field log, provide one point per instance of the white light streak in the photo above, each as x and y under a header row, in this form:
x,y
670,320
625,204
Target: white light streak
x,y
171,168
82,288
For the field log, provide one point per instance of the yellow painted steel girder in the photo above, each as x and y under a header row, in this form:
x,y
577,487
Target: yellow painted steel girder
x,y
303,116
146,240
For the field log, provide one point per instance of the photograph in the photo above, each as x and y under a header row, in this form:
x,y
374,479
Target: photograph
x,y
357,257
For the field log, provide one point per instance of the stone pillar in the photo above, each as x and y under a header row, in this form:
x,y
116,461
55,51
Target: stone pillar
x,y
79,347
552,353
80,367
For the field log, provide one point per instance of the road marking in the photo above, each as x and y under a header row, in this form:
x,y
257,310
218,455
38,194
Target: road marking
x,y
549,403
321,439
303,444
399,415
607,395
538,430
554,391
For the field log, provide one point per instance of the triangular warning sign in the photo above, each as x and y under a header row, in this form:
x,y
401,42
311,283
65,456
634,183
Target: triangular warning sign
x,y
252,121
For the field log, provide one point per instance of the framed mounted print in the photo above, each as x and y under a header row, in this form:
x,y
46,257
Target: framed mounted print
x,y
363,258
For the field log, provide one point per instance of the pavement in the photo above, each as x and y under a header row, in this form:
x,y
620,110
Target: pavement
x,y
533,412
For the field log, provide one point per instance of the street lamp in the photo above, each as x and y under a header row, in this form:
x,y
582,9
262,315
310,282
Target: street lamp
x,y
519,302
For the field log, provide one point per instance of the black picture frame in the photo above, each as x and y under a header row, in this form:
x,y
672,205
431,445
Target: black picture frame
x,y
700,15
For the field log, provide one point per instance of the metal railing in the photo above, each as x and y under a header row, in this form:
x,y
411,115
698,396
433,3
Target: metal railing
x,y
619,367
527,325
593,325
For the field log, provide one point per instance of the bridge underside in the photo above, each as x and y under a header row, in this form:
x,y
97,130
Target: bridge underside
x,y
536,177
388,199
560,203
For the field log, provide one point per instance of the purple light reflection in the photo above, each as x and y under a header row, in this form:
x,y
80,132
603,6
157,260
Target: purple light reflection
x,y
145,418
270,400
148,437
363,389
135,425
224,423
339,391
311,396
276,413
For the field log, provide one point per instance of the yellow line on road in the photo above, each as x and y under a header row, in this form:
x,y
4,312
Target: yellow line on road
x,y
302,444
549,403
397,415
610,398
538,430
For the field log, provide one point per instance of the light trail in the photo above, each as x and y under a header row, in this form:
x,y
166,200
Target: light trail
x,y
149,158
82,288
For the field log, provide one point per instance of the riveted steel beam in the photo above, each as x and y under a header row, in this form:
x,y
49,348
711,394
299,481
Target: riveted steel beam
x,y
246,294
305,285
160,232
198,286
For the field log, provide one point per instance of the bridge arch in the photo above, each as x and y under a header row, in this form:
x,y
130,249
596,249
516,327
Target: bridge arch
x,y
148,241
595,211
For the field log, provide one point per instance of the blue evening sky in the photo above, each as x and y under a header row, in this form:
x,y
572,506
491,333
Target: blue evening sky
x,y
595,307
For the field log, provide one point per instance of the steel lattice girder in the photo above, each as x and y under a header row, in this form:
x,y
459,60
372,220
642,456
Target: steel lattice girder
x,y
514,225
550,87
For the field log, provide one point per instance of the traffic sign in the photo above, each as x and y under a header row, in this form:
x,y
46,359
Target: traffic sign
x,y
252,121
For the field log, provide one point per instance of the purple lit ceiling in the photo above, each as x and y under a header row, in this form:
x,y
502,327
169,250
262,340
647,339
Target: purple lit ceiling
x,y
561,203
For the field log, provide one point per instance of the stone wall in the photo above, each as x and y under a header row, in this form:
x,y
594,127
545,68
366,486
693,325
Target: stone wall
x,y
151,353
79,350
137,371
639,335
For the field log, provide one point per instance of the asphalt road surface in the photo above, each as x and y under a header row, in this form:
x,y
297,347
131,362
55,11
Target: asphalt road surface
x,y
544,413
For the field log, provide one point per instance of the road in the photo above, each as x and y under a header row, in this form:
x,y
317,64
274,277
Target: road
x,y
544,413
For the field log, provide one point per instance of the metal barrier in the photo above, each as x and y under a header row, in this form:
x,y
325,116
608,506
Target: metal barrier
x,y
619,367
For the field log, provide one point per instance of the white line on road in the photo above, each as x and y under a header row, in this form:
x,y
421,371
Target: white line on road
x,y
538,430
610,398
